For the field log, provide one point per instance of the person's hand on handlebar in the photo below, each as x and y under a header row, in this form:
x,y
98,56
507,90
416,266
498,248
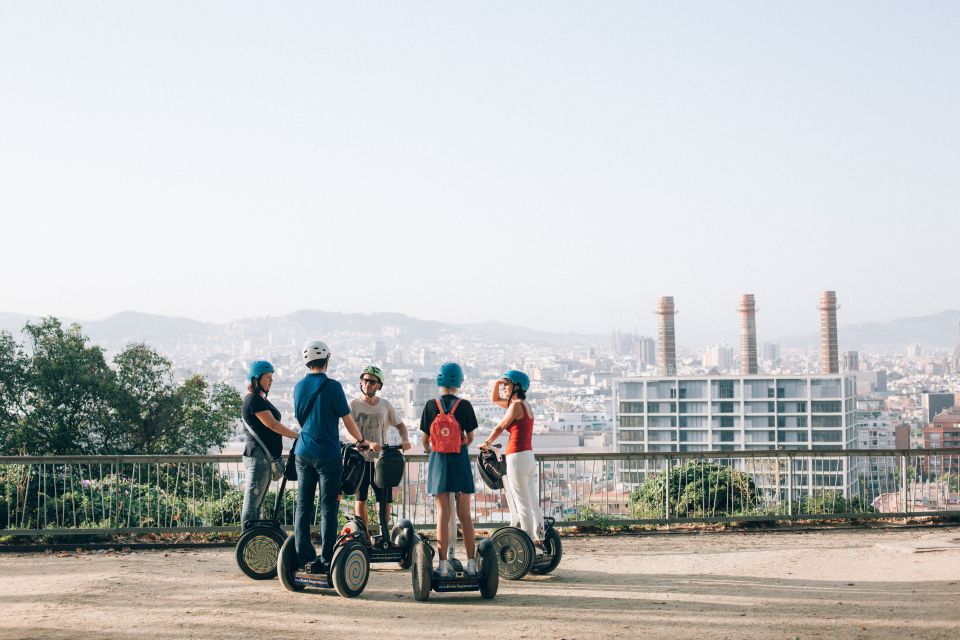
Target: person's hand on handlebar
x,y
374,446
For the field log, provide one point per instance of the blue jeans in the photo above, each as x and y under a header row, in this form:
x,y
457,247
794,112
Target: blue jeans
x,y
311,473
258,481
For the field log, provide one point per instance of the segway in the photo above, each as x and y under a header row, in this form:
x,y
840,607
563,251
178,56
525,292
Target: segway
x,y
397,546
516,555
258,546
425,579
349,568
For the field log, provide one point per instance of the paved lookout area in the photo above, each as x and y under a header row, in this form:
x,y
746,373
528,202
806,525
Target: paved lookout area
x,y
902,583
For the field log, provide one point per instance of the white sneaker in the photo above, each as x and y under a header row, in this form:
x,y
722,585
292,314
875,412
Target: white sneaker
x,y
471,567
443,567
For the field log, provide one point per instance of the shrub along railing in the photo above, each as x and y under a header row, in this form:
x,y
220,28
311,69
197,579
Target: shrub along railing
x,y
97,495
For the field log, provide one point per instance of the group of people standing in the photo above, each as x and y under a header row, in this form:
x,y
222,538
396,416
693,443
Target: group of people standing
x,y
320,404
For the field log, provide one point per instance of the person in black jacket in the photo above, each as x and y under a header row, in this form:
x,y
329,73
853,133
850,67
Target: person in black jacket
x,y
264,438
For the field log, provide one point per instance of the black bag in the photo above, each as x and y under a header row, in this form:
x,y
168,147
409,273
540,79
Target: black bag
x,y
353,468
290,471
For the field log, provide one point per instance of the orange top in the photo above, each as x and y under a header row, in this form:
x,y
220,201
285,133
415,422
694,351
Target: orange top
x,y
521,433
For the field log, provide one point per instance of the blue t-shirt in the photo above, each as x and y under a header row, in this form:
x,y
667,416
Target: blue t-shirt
x,y
320,434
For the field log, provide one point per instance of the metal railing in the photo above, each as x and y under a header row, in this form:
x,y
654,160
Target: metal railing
x,y
96,495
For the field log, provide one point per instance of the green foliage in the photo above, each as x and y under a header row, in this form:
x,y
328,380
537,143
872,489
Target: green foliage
x,y
60,397
833,501
953,483
601,522
69,392
696,490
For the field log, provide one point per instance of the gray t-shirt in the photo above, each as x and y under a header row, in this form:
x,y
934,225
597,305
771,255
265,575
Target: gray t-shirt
x,y
373,421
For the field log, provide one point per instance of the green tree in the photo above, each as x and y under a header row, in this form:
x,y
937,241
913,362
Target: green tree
x,y
70,393
61,397
13,375
145,400
206,413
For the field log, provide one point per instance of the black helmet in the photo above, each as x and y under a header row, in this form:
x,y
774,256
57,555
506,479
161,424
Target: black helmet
x,y
492,467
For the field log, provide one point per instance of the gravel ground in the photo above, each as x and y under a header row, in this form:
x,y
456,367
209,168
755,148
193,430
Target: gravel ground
x,y
900,583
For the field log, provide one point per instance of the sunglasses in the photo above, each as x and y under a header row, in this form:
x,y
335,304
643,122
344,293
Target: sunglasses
x,y
370,380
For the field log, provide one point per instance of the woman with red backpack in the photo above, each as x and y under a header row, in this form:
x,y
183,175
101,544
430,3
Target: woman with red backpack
x,y
447,424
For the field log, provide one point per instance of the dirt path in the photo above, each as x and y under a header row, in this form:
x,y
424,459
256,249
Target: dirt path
x,y
847,584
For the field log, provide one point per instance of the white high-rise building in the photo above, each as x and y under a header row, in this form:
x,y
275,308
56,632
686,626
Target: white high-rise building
x,y
738,413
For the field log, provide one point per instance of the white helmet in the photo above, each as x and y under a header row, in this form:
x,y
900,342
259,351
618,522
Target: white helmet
x,y
316,350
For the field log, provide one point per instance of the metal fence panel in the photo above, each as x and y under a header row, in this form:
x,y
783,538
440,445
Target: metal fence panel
x,y
63,495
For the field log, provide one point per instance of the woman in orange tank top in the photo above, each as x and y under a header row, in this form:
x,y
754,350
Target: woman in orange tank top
x,y
520,483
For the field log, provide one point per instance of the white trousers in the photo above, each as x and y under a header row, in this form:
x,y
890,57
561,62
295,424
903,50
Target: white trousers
x,y
523,494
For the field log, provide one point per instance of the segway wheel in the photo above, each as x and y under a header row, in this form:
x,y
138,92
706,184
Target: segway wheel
x,y
514,551
403,536
287,565
422,571
257,552
350,568
551,544
489,572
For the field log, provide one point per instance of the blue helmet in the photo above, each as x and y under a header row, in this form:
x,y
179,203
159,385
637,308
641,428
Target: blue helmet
x,y
518,378
450,375
259,368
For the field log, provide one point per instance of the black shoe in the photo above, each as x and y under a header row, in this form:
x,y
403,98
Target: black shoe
x,y
317,567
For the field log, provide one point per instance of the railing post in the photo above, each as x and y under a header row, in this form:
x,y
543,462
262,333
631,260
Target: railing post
x,y
115,510
903,482
406,491
790,486
666,488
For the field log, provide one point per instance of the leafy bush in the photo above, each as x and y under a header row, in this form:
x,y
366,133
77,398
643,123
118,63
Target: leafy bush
x,y
696,490
833,502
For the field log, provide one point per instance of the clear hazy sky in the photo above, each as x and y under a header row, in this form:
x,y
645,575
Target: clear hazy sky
x,y
225,159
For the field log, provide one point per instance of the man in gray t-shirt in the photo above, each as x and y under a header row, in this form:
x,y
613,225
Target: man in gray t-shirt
x,y
374,417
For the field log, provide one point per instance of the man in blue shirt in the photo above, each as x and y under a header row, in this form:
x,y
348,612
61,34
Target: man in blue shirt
x,y
320,404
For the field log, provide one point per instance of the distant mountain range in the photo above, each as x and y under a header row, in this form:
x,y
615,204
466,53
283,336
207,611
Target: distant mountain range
x,y
132,326
938,330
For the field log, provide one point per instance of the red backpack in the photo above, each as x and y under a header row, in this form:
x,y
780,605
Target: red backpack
x,y
446,436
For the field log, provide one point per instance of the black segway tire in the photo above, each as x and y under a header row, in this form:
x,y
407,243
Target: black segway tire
x,y
287,565
553,547
350,568
489,572
404,536
515,552
422,573
257,552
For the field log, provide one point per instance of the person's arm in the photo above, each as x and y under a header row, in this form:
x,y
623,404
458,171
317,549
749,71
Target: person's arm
x,y
496,398
425,428
508,418
354,431
404,436
267,419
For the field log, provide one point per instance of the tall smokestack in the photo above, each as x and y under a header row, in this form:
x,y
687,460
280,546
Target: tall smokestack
x,y
829,354
748,335
666,345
